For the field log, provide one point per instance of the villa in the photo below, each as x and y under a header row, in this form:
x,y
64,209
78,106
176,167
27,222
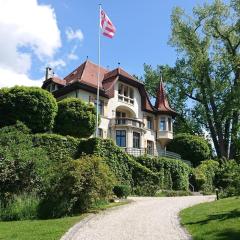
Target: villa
x,y
127,114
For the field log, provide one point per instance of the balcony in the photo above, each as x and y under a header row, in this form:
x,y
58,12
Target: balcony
x,y
128,122
164,135
154,153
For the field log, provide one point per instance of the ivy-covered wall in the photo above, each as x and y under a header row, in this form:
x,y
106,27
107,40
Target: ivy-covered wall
x,y
146,175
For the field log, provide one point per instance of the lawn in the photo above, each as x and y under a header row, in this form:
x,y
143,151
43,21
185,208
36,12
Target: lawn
x,y
217,220
51,229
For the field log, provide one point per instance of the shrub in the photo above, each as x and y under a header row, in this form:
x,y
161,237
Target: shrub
x,y
172,173
204,175
57,147
228,178
32,105
127,171
21,207
79,184
190,147
172,193
20,163
75,118
121,191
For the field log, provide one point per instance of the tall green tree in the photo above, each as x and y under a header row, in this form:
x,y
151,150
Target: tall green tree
x,y
207,71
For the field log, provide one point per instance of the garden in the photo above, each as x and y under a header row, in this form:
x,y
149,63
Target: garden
x,y
52,172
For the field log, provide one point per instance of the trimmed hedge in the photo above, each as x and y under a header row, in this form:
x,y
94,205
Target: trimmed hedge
x,y
142,180
56,146
172,173
75,118
33,106
190,147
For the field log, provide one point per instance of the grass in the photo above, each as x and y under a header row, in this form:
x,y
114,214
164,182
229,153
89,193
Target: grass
x,y
219,220
51,229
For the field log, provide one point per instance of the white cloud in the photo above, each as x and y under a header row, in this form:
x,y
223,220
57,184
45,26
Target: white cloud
x,y
71,34
26,29
9,78
57,64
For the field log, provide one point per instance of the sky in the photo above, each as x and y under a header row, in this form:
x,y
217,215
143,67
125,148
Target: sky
x,y
63,33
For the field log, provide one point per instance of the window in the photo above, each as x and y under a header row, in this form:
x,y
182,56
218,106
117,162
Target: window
x,y
100,132
120,114
100,106
162,126
136,140
169,124
121,138
125,94
150,149
149,123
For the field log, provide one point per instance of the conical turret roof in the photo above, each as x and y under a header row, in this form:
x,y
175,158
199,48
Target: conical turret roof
x,y
161,104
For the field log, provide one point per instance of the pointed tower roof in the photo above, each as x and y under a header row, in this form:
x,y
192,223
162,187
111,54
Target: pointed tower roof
x,y
161,104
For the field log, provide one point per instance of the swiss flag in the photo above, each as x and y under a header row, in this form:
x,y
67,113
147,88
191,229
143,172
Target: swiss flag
x,y
106,25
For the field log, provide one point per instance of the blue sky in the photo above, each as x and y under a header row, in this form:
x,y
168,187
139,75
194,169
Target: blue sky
x,y
143,30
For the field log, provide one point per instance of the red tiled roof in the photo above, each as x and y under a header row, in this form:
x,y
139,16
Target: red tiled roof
x,y
56,80
86,73
162,104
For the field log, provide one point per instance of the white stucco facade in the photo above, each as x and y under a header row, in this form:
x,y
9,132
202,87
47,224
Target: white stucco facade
x,y
123,120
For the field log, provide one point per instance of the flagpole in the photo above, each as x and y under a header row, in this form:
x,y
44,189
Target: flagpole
x,y
98,75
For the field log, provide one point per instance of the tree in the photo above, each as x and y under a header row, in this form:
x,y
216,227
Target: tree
x,y
190,147
33,106
75,118
207,71
21,164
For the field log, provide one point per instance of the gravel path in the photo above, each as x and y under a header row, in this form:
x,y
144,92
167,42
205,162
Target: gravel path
x,y
147,218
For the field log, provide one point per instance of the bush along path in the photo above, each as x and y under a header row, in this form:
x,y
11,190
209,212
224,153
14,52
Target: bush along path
x,y
144,219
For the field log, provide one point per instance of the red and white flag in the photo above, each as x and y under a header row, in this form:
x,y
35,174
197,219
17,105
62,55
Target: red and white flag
x,y
106,25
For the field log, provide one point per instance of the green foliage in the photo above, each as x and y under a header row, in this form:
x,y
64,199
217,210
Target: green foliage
x,y
115,158
57,147
33,106
172,173
206,72
75,118
190,147
20,208
228,178
204,175
125,168
79,184
122,191
172,193
19,162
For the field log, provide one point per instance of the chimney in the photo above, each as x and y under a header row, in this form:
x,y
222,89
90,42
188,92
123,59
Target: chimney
x,y
49,73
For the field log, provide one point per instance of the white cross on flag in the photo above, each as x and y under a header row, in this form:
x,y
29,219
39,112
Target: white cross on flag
x,y
106,25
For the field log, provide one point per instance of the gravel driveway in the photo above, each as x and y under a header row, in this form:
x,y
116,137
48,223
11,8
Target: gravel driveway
x,y
147,218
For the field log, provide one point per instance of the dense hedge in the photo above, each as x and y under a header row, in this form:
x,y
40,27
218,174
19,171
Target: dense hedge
x,y
78,185
125,168
34,106
75,118
56,146
227,178
173,174
204,176
22,167
190,147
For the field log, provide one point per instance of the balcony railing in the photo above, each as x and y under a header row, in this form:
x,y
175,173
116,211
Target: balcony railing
x,y
151,152
129,122
154,153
